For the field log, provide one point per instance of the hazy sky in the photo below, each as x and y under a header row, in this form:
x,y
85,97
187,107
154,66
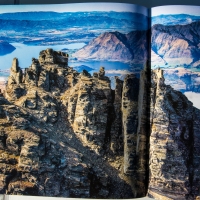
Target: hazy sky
x,y
165,10
119,7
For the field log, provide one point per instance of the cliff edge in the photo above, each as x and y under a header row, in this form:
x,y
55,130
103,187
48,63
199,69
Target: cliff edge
x,y
62,133
174,143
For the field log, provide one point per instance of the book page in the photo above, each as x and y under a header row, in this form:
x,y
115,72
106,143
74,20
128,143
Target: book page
x,y
70,81
175,105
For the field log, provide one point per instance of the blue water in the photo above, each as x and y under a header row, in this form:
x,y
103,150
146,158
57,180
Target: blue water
x,y
108,65
25,53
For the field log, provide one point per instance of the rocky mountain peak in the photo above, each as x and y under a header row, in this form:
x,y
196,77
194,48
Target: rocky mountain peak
x,y
174,140
15,66
68,134
175,44
65,135
53,57
116,46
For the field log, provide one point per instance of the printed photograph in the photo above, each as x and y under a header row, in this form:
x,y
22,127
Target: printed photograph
x,y
175,48
174,153
91,34
71,91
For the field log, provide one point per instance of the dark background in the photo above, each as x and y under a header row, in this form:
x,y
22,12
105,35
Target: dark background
x,y
147,3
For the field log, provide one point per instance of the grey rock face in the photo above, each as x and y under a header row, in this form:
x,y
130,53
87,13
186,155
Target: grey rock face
x,y
16,73
62,132
89,103
130,120
68,134
173,143
116,144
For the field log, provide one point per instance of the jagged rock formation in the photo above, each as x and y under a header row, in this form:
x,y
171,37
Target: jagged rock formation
x,y
117,47
130,120
62,132
174,143
116,138
88,103
68,134
143,133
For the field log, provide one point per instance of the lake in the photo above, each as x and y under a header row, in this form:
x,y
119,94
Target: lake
x,y
111,67
25,53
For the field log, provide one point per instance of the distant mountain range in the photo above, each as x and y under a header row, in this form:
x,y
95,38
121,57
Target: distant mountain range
x,y
173,45
176,45
67,27
116,46
178,19
71,19
49,15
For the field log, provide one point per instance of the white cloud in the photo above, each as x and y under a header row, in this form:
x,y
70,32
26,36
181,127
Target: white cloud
x,y
2,78
118,72
194,98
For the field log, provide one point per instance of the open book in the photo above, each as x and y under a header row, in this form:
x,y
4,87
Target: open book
x,y
100,100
